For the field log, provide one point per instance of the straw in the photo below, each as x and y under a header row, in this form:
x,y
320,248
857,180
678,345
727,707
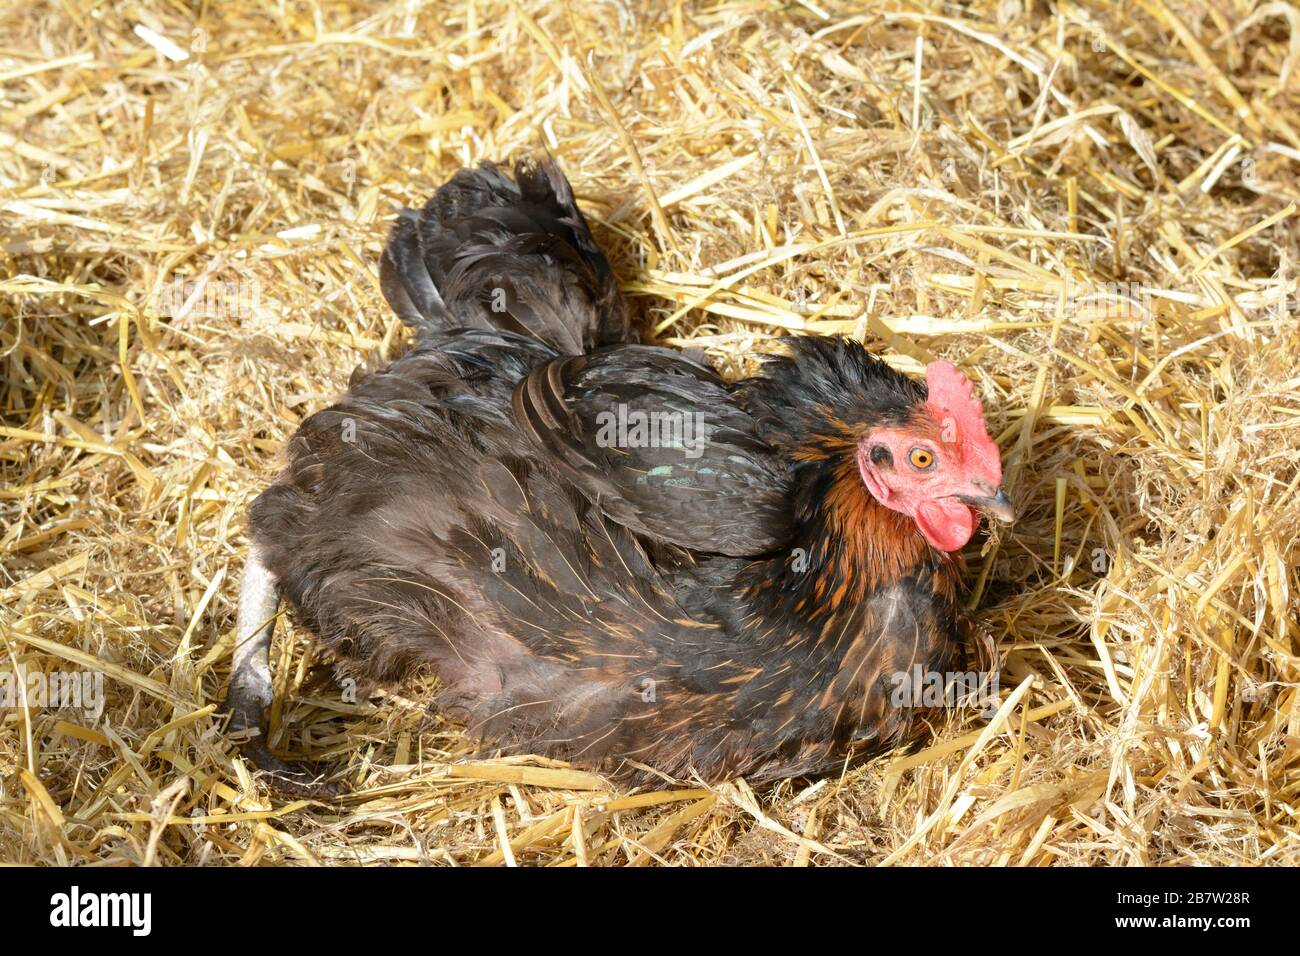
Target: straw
x,y
1090,209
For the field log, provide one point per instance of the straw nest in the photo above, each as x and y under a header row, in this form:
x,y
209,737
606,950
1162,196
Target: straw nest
x,y
1090,209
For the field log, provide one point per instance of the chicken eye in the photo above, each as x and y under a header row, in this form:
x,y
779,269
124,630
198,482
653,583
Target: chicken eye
x,y
920,458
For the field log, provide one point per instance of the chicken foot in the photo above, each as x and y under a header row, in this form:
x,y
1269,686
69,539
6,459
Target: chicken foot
x,y
250,693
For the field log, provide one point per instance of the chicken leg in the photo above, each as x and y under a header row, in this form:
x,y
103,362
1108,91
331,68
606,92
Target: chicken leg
x,y
250,694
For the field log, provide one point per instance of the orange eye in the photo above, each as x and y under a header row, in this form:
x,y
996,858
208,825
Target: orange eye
x,y
920,458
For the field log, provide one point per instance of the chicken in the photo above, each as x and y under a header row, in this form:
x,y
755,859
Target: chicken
x,y
608,554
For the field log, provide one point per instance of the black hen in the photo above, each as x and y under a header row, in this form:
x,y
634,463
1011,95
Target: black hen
x,y
608,554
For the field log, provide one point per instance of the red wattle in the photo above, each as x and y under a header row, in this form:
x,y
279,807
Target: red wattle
x,y
946,523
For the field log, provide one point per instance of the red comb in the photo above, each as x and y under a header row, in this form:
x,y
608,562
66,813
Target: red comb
x,y
961,419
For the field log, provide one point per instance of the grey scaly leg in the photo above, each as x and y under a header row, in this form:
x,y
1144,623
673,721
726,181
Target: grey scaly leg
x,y
250,671
250,693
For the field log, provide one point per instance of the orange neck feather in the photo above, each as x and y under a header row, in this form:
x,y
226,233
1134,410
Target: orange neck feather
x,y
873,545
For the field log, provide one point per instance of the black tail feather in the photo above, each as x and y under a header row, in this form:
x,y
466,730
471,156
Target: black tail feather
x,y
488,251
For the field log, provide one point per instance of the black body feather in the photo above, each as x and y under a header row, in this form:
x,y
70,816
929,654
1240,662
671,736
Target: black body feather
x,y
739,610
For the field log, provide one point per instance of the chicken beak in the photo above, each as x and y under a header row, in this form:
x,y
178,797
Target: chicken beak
x,y
996,505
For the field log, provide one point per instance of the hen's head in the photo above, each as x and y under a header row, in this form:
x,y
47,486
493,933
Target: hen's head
x,y
921,450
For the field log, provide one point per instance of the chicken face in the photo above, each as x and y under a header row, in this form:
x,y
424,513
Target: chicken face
x,y
940,465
